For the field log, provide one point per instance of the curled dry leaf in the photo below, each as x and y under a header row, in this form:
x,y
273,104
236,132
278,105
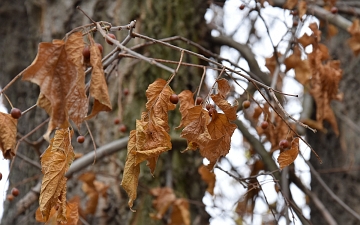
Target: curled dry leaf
x,y
180,212
72,215
302,7
209,178
186,102
55,162
89,189
301,67
131,170
57,70
165,197
290,4
222,103
98,86
354,41
8,131
287,157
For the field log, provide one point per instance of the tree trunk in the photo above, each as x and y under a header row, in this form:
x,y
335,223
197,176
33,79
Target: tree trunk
x,y
340,155
27,24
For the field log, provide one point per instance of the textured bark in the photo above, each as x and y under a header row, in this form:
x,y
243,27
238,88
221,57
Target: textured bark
x,y
341,153
27,24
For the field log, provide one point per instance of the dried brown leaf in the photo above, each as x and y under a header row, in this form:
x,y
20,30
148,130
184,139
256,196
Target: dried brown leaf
x,y
56,75
158,104
220,128
165,197
209,178
131,170
98,87
8,131
77,103
180,214
302,7
290,4
287,157
186,102
55,161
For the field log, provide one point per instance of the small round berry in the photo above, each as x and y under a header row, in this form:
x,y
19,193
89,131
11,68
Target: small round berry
x,y
294,13
284,144
295,23
10,197
174,98
209,106
80,139
15,192
0,176
15,113
246,104
199,100
126,91
212,111
116,121
111,36
264,125
100,47
334,10
86,53
122,128
242,6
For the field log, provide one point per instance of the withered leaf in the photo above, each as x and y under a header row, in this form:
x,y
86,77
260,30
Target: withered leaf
x,y
56,75
220,128
164,199
354,41
225,106
302,7
158,104
186,102
8,131
98,87
180,214
89,189
290,4
287,157
72,215
77,103
209,178
131,170
223,87
55,161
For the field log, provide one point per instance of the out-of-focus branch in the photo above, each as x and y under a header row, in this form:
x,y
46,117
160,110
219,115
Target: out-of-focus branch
x,y
259,148
248,55
77,166
322,14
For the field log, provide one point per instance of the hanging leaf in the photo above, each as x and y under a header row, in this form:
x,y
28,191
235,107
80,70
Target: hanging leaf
x,y
287,157
57,75
55,162
180,212
131,170
220,129
89,189
208,177
98,87
8,131
165,197
72,215
77,103
186,102
354,41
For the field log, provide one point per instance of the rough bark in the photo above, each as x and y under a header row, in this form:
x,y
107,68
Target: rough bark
x,y
30,22
340,155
